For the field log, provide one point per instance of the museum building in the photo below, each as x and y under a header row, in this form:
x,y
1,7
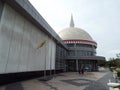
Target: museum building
x,y
81,49
29,47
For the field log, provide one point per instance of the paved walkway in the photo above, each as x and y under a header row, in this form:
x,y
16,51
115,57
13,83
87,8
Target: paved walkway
x,y
66,81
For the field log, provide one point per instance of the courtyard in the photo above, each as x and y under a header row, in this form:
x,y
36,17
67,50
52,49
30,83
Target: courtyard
x,y
66,81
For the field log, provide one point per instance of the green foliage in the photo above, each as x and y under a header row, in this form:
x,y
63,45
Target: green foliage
x,y
113,62
117,87
112,68
101,64
118,55
118,72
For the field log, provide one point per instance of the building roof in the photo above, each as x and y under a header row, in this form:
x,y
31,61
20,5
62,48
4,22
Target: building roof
x,y
74,33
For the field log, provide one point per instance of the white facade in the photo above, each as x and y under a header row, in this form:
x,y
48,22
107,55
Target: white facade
x,y
18,45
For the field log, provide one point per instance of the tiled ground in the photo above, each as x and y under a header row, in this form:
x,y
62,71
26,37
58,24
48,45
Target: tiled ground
x,y
66,81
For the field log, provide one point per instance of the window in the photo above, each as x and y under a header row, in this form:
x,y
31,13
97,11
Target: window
x,y
70,45
71,53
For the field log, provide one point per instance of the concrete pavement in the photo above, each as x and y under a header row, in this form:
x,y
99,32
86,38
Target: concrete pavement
x,y
66,81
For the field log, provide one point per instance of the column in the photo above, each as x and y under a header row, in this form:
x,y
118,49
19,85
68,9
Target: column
x,y
76,64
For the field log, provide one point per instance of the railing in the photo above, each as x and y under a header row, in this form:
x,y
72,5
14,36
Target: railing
x,y
82,48
85,57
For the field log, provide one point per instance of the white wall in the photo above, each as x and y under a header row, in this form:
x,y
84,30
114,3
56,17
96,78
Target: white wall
x,y
18,45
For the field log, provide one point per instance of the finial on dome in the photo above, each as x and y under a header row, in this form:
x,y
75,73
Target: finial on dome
x,y
71,21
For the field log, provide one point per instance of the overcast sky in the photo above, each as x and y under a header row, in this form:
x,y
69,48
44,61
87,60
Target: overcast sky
x,y
100,18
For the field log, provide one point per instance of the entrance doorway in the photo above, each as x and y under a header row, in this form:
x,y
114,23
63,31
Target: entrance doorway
x,y
86,67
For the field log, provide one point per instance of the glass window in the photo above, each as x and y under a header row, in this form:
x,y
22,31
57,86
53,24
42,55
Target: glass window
x,y
70,45
71,53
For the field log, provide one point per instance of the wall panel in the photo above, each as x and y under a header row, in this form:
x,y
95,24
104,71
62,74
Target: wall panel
x,y
6,31
19,39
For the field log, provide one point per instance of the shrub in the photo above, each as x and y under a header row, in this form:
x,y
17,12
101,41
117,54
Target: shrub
x,y
112,68
118,72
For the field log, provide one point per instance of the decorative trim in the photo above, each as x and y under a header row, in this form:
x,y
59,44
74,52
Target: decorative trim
x,y
81,41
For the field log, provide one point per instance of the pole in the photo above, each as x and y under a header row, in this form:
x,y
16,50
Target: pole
x,y
45,64
77,65
50,61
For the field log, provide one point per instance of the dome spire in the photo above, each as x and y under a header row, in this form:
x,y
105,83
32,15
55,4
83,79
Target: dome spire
x,y
71,21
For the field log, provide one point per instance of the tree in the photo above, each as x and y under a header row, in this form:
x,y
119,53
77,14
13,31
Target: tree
x,y
118,60
118,55
113,62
